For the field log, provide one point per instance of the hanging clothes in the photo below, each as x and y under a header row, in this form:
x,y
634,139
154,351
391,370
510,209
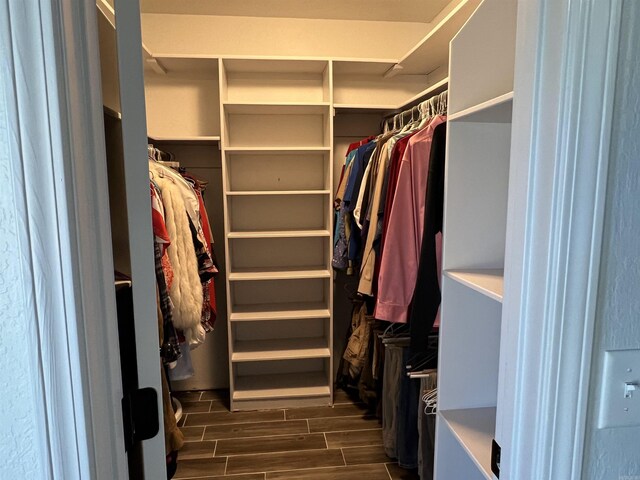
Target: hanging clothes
x,y
425,306
186,288
399,264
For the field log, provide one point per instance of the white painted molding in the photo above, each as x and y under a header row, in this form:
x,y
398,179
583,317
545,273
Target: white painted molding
x,y
136,179
565,71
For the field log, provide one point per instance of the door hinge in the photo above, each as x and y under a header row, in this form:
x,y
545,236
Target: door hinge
x,y
495,458
140,416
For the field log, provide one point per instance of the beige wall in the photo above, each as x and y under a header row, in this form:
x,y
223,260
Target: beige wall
x,y
224,35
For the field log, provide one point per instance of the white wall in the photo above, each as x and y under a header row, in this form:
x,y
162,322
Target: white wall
x,y
224,35
21,434
614,454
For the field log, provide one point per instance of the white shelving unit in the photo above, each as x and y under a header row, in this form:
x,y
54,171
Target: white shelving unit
x,y
276,129
476,201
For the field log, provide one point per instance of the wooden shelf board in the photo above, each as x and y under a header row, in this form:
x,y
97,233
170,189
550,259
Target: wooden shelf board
x,y
279,274
276,150
474,429
486,282
280,234
496,110
278,192
288,385
265,312
433,50
275,108
280,349
189,140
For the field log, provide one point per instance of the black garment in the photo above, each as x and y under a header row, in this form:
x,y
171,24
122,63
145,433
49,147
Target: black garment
x,y
426,296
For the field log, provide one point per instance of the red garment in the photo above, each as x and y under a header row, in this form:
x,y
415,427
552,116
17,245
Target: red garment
x,y
208,236
355,145
160,233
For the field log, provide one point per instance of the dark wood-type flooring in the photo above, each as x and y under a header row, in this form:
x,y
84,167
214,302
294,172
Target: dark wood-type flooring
x,y
343,442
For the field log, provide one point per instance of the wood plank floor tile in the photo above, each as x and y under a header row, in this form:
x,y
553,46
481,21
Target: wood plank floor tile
x,y
192,434
370,472
215,395
196,407
219,406
324,412
356,438
269,462
259,429
191,396
197,450
339,424
341,397
396,472
200,467
365,455
249,476
286,443
227,418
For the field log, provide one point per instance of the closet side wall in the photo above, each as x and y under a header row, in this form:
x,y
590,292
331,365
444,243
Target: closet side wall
x,y
613,452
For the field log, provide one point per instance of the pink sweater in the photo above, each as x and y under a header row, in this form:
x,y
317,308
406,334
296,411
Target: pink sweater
x,y
401,254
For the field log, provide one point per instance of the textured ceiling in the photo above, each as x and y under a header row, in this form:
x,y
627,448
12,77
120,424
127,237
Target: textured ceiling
x,y
421,11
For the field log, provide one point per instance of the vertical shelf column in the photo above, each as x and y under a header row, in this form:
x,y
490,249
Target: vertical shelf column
x,y
476,199
276,140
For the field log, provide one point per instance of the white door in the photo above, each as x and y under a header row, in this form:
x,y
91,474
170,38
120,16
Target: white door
x,y
146,457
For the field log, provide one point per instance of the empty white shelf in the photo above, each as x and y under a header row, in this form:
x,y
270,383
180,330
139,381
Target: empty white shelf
x,y
275,108
278,273
487,282
474,429
286,385
280,349
278,192
281,234
276,150
360,108
496,110
287,311
200,140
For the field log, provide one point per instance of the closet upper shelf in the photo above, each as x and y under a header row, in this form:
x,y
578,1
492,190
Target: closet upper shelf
x,y
486,282
432,51
495,110
187,140
276,108
474,430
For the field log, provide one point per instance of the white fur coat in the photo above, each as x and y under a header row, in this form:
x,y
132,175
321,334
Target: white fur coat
x,y
186,289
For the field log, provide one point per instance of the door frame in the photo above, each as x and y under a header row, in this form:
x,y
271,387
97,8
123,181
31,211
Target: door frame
x,y
567,53
566,60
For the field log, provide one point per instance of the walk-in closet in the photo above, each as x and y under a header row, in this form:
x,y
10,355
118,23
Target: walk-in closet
x,y
330,188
